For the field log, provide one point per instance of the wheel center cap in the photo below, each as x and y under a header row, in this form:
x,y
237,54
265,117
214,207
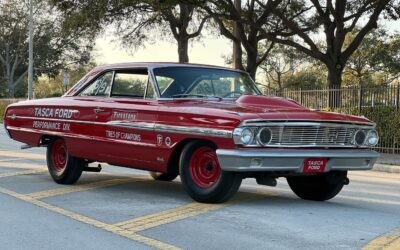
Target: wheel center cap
x,y
209,167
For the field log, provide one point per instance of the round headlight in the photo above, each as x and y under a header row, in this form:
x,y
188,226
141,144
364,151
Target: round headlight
x,y
264,136
372,138
359,137
247,136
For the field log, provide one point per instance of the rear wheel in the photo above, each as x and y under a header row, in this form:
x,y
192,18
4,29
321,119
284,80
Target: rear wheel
x,y
63,168
319,187
158,176
202,176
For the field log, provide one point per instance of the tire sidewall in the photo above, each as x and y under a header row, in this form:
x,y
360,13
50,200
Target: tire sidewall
x,y
73,166
54,174
218,189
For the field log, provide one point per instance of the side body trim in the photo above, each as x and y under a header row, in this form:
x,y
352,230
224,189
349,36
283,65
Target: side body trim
x,y
201,131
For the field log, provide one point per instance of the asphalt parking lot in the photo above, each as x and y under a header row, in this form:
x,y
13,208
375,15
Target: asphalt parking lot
x,y
125,209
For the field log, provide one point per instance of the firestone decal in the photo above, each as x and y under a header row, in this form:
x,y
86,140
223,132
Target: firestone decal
x,y
56,113
123,136
123,115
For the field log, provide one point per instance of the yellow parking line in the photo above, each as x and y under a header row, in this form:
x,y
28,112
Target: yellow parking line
x,y
21,165
167,216
84,187
11,159
110,228
183,212
390,241
19,154
31,171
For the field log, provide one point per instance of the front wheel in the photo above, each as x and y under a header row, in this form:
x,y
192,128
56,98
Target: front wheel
x,y
319,187
63,168
202,176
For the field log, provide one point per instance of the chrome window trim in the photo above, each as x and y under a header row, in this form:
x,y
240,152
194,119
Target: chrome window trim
x,y
112,84
152,67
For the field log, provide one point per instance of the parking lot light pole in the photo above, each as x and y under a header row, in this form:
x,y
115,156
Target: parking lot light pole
x,y
30,66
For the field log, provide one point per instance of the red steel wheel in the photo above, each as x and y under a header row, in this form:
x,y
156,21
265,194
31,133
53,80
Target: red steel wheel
x,y
204,167
59,156
202,176
63,167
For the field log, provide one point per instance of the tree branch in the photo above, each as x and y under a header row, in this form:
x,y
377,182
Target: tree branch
x,y
371,24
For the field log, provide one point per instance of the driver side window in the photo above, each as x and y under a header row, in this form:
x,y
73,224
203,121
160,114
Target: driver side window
x,y
101,87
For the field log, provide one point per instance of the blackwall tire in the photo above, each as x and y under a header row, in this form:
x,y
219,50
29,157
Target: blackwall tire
x,y
202,176
319,187
63,168
163,176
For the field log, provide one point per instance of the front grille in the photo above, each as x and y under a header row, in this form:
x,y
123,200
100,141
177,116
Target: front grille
x,y
306,134
312,135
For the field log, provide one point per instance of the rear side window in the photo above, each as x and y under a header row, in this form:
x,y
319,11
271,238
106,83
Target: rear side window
x,y
101,87
129,84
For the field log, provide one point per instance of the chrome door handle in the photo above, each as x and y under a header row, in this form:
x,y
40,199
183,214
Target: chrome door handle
x,y
98,110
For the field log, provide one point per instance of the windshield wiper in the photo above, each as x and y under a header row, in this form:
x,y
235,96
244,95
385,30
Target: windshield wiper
x,y
196,95
189,95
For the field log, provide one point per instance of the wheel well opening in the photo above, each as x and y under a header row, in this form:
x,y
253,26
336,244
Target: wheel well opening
x,y
46,139
173,163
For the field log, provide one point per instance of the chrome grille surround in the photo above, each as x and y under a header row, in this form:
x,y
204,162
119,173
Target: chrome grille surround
x,y
308,134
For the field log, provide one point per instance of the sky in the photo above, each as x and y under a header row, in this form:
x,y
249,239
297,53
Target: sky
x,y
211,50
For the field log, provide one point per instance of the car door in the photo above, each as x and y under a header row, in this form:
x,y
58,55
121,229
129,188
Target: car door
x,y
127,136
87,124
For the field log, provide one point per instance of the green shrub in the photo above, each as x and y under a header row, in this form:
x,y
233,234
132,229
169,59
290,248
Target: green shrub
x,y
387,121
2,111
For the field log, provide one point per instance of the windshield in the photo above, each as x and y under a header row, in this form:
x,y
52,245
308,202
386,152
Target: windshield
x,y
188,82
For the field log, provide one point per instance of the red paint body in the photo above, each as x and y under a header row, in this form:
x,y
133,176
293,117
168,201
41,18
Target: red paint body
x,y
93,139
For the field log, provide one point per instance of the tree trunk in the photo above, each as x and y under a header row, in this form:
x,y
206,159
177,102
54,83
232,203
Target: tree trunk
x,y
251,67
279,82
183,45
10,91
237,53
237,56
334,85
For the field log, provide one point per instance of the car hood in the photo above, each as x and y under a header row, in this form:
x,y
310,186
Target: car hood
x,y
264,108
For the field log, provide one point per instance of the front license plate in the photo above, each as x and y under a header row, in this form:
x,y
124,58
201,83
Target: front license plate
x,y
314,165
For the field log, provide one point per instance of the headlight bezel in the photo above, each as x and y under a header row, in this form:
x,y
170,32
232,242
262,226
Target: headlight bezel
x,y
355,139
238,136
369,136
259,136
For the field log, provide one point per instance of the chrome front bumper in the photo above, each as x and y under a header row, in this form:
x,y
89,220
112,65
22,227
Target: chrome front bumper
x,y
248,160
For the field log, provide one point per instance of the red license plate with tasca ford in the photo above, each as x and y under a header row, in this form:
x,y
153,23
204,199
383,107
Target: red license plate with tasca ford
x,y
314,165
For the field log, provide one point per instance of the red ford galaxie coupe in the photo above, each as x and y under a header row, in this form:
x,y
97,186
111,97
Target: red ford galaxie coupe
x,y
209,125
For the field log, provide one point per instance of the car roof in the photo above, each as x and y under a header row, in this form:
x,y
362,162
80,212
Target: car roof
x,y
159,65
